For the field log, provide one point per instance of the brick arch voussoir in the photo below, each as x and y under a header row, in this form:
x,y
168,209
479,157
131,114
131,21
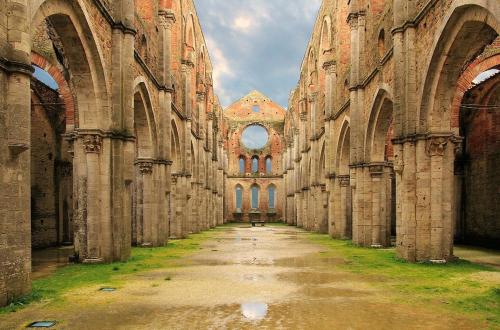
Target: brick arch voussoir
x,y
465,83
64,90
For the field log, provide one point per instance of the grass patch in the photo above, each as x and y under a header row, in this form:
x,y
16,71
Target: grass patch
x,y
78,275
460,285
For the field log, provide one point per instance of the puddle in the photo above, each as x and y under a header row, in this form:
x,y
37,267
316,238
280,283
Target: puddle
x,y
254,311
253,277
326,292
309,261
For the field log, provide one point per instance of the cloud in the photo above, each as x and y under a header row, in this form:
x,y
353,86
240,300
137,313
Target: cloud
x,y
242,23
257,44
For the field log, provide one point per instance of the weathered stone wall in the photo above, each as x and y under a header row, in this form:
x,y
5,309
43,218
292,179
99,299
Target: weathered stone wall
x,y
238,117
477,222
380,74
125,70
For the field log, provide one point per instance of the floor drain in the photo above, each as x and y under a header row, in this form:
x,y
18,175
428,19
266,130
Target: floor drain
x,y
107,289
42,324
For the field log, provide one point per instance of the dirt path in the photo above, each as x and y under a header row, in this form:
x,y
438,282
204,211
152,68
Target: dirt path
x,y
246,278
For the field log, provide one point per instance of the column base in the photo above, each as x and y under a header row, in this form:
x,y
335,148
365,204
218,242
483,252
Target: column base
x,y
93,261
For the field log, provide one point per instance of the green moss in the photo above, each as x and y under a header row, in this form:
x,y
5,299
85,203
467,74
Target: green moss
x,y
78,275
458,285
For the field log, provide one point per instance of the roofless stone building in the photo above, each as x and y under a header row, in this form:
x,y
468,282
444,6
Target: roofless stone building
x,y
124,140
111,134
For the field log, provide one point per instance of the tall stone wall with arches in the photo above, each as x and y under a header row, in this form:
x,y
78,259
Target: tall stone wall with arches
x,y
110,130
254,143
378,125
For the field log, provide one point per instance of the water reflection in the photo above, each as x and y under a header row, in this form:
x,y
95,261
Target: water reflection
x,y
254,311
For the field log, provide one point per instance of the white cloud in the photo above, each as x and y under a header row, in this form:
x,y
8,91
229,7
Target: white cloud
x,y
222,69
256,44
242,23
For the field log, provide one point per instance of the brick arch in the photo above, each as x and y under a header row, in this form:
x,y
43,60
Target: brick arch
x,y
64,90
443,71
379,126
465,81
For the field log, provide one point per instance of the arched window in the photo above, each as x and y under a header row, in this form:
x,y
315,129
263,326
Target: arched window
x,y
255,197
271,191
242,164
269,165
255,164
381,44
239,198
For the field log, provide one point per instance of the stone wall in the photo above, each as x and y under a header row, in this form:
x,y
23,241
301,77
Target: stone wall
x,y
254,109
96,167
380,95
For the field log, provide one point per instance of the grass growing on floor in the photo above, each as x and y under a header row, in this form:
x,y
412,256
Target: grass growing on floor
x,y
77,275
461,285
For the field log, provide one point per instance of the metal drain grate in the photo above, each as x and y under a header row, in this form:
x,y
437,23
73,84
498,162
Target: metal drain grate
x,y
42,324
107,289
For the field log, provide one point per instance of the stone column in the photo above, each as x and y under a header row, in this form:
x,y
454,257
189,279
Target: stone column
x,y
164,164
15,139
89,202
147,222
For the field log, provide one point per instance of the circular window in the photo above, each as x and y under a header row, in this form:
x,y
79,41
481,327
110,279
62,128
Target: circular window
x,y
254,137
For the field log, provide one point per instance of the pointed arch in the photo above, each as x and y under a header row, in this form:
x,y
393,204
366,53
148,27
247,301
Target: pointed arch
x,y
379,124
255,192
478,18
271,196
343,149
144,121
238,194
175,144
322,164
70,21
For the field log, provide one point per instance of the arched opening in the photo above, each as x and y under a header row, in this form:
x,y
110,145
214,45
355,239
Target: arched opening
x,y
51,167
242,164
381,170
381,44
71,63
239,198
476,166
175,148
255,191
467,34
269,165
144,229
255,164
271,194
342,201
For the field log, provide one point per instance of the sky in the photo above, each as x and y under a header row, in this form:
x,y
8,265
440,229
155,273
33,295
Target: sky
x,y
254,137
256,44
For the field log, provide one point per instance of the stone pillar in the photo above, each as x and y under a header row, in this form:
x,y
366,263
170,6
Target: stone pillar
x,y
15,139
90,197
360,190
147,221
165,196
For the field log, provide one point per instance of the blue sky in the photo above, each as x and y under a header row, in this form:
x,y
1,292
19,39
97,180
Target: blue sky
x,y
256,44
254,137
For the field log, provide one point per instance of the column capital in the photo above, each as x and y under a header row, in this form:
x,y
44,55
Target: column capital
x,y
92,143
344,180
167,18
330,66
436,145
145,166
